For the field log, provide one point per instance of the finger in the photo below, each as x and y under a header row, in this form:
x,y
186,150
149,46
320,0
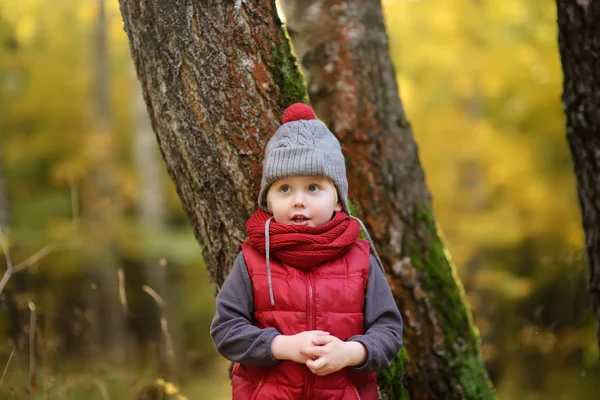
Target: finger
x,y
321,333
322,340
314,351
316,365
323,372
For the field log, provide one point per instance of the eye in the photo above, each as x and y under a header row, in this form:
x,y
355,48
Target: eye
x,y
313,188
285,189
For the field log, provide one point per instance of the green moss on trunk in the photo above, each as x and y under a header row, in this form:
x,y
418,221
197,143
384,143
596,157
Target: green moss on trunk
x,y
461,352
390,379
287,75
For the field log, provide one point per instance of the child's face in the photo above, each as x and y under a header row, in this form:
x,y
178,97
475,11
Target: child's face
x,y
303,200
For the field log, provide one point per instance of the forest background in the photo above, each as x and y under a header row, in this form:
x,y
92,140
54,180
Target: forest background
x,y
481,84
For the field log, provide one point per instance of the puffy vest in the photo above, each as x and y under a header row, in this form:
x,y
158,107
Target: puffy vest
x,y
329,297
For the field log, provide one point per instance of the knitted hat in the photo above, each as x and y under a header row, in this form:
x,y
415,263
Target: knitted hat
x,y
303,146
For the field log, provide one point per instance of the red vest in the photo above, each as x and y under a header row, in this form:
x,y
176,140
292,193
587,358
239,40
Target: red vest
x,y
329,297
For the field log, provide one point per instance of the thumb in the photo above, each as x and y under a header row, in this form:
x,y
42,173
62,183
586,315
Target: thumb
x,y
315,364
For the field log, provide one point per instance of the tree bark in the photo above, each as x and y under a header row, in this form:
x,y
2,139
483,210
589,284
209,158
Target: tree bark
x,y
216,76
343,51
579,30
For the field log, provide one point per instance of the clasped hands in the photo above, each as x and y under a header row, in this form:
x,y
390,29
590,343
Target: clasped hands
x,y
322,353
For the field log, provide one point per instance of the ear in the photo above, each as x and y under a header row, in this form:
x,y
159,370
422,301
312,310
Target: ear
x,y
338,206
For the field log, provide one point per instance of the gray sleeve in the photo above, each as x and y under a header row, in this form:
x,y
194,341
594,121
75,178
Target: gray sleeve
x,y
382,322
232,331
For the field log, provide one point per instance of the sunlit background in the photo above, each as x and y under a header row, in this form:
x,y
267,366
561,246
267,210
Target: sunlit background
x,y
481,84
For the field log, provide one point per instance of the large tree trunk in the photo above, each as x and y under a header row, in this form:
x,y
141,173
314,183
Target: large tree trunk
x,y
343,51
216,76
579,33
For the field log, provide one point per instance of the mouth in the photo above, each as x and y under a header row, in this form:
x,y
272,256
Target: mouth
x,y
299,219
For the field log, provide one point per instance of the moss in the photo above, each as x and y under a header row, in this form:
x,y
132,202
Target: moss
x,y
354,211
403,123
461,344
287,75
391,381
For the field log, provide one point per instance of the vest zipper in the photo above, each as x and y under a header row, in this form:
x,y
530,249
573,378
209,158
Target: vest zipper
x,y
356,391
255,394
312,325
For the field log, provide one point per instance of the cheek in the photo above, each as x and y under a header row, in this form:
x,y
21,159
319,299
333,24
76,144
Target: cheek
x,y
276,207
270,201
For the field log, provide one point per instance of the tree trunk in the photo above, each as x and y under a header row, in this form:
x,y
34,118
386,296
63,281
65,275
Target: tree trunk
x,y
216,77
103,294
152,221
151,203
4,220
579,30
10,77
343,51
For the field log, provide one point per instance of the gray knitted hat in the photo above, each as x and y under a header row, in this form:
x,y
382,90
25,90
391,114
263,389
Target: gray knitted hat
x,y
303,146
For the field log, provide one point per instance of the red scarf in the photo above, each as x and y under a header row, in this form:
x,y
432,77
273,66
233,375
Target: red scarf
x,y
303,246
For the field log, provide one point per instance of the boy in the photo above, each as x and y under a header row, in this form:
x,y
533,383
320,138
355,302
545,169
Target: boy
x,y
306,312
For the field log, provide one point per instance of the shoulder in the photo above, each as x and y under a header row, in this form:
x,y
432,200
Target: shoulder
x,y
253,259
363,246
248,252
360,251
356,259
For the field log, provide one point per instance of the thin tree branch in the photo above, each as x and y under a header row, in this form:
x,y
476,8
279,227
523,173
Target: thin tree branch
x,y
159,300
74,202
43,252
163,321
7,363
102,387
34,258
32,364
122,293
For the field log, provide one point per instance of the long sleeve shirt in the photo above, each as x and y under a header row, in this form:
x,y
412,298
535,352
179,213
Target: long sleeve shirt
x,y
237,339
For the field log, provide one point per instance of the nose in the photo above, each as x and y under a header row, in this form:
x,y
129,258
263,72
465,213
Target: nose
x,y
298,201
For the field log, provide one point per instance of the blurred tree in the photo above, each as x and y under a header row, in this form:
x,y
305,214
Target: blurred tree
x,y
9,77
152,217
343,50
4,219
579,30
105,288
9,81
215,98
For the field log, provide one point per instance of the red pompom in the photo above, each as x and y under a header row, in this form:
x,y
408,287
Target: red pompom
x,y
297,112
